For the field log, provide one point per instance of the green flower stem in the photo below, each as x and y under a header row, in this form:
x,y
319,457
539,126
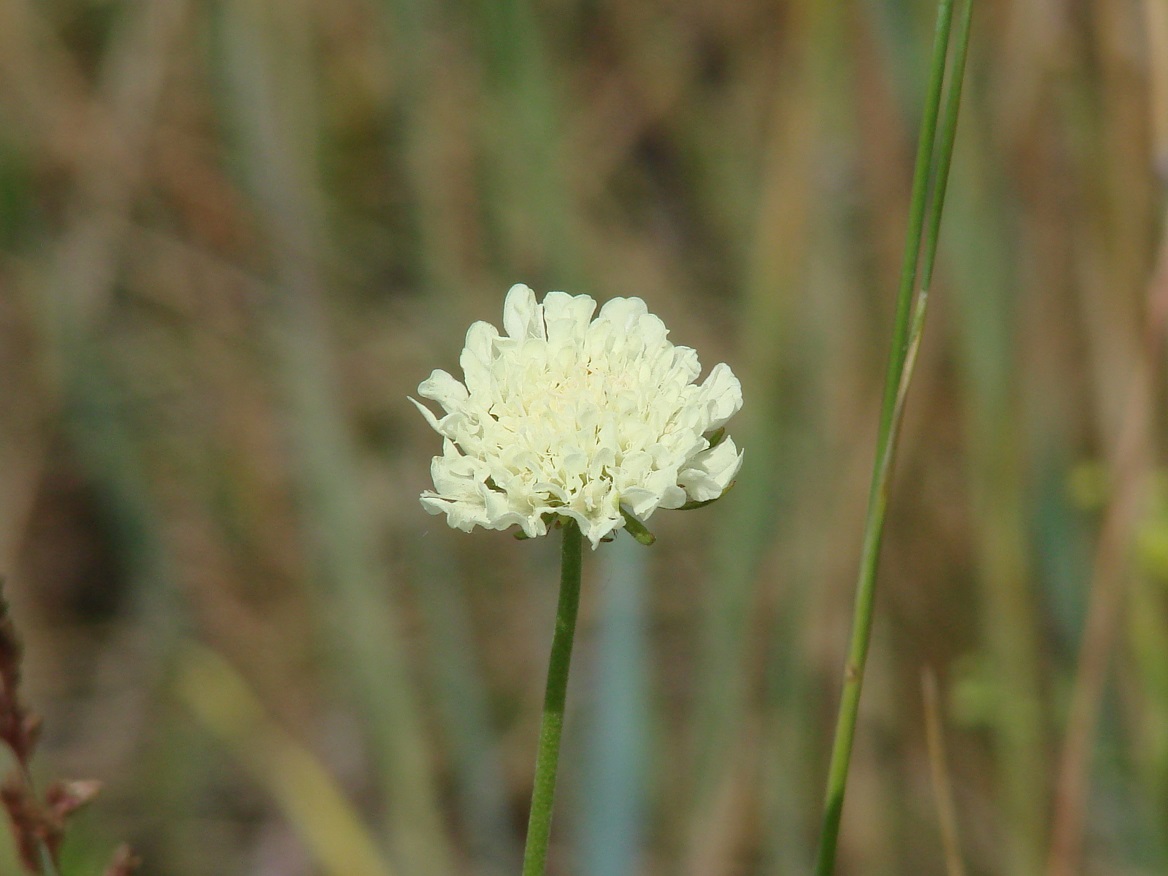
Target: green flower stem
x,y
908,328
539,824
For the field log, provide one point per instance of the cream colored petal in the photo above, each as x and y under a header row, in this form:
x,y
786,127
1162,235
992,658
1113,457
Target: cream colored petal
x,y
427,413
623,313
477,356
444,389
722,394
709,473
567,317
522,317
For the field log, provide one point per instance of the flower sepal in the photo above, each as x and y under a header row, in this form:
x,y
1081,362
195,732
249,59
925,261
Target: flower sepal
x,y
637,529
689,506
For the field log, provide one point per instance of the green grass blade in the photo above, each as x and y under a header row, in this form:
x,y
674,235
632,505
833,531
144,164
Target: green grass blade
x,y
945,149
916,222
907,332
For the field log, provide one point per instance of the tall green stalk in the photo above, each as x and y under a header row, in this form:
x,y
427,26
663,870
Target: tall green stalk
x,y
551,726
907,331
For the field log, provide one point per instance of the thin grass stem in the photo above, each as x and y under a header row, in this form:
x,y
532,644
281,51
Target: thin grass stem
x,y
945,148
551,726
907,332
916,224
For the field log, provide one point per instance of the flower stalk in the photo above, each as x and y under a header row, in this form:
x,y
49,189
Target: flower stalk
x,y
588,425
551,726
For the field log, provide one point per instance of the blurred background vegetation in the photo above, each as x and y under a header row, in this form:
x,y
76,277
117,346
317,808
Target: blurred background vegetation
x,y
235,235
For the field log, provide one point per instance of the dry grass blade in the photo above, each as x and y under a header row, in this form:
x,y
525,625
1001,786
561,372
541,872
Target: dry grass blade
x,y
222,702
939,772
1131,465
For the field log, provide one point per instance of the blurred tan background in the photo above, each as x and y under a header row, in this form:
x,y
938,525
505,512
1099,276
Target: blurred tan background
x,y
235,235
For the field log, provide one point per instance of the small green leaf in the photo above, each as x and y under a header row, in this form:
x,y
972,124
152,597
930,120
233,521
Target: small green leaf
x,y
637,529
716,437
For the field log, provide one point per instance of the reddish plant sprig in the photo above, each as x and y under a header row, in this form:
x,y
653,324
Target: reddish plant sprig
x,y
19,728
38,825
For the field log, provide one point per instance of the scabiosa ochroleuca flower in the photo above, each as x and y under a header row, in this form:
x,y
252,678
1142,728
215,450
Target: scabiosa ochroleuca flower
x,y
598,420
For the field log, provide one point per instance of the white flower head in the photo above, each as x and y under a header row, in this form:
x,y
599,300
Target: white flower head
x,y
598,420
